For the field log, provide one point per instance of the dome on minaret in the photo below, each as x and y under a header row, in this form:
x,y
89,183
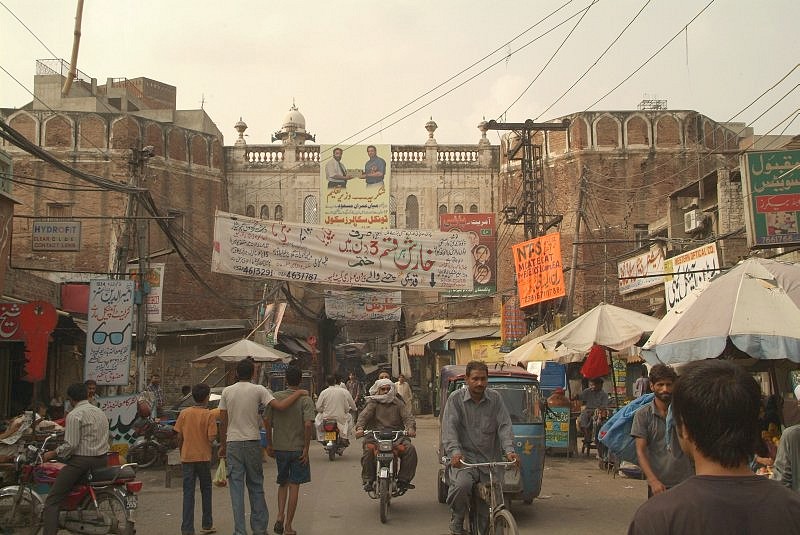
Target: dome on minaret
x,y
293,129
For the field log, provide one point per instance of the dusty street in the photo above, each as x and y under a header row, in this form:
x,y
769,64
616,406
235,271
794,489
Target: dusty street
x,y
576,497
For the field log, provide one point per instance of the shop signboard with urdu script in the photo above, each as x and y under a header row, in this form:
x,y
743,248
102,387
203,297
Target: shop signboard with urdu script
x,y
539,268
771,184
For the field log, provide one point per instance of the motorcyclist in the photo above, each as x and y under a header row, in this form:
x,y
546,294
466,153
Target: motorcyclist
x,y
385,411
335,403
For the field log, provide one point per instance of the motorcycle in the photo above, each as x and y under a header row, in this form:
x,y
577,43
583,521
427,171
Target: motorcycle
x,y
153,441
102,503
387,466
333,443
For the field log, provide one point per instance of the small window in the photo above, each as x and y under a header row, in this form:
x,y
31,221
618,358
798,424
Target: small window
x,y
442,209
279,213
458,209
177,223
57,209
412,212
640,232
310,210
473,208
265,212
392,212
250,211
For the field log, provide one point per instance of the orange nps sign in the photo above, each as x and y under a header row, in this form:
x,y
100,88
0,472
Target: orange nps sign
x,y
539,268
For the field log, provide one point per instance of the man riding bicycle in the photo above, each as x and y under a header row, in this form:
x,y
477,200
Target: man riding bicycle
x,y
476,427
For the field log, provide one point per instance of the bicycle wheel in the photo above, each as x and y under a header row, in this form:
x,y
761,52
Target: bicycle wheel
x,y
383,494
111,506
26,517
145,455
504,523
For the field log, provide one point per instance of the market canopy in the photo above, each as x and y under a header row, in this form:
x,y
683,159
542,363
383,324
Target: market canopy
x,y
754,307
605,325
241,350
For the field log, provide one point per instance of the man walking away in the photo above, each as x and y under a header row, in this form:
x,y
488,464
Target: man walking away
x,y
196,429
787,460
288,438
715,404
240,443
663,466
84,449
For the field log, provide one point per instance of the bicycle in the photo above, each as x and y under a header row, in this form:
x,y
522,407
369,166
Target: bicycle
x,y
501,521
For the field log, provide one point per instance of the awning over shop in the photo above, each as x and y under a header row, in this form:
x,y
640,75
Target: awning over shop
x,y
410,340
417,348
469,334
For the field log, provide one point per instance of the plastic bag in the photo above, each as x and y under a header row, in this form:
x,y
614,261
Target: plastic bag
x,y
221,476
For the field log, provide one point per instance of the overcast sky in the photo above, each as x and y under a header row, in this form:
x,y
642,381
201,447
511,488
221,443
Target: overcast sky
x,y
348,64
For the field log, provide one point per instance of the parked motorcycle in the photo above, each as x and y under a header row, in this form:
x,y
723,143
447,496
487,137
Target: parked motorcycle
x,y
101,504
153,441
387,466
333,442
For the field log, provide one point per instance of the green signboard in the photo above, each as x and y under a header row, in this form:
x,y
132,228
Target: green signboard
x,y
771,182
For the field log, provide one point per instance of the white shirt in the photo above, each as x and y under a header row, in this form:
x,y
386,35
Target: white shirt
x,y
243,401
335,402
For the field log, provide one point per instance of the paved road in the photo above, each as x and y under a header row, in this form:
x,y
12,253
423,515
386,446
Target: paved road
x,y
576,497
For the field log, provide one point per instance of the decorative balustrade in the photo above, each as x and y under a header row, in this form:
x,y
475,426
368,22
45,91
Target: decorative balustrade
x,y
308,154
457,154
408,154
263,154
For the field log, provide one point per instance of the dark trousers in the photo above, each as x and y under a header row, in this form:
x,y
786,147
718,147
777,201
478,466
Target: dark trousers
x,y
408,462
200,470
77,466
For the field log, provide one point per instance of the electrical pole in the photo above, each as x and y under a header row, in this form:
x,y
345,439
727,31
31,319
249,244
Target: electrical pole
x,y
533,214
574,262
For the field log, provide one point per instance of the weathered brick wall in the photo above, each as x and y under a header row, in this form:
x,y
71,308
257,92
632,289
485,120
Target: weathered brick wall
x,y
196,193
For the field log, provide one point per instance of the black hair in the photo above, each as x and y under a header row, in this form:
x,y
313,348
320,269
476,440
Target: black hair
x,y
476,365
77,392
185,389
596,381
330,379
716,404
659,372
88,382
200,392
245,369
293,376
372,147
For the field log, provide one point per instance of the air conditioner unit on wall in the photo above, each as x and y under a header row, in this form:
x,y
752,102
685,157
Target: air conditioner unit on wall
x,y
692,220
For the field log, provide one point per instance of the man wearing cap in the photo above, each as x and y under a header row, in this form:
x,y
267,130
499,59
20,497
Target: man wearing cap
x,y
385,411
787,461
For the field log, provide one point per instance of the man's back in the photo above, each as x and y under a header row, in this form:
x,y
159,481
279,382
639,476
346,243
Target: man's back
x,y
721,504
242,401
334,402
288,425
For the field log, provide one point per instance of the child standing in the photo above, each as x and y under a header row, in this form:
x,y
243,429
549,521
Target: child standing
x,y
196,429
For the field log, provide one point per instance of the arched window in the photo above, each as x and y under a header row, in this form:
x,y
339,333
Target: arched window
x,y
442,209
265,212
473,208
310,210
279,213
392,212
250,211
458,209
412,212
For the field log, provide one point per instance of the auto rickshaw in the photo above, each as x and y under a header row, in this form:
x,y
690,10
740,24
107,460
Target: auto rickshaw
x,y
520,392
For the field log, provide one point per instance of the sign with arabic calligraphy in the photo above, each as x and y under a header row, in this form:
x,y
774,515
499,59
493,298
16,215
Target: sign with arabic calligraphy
x,y
354,183
155,290
121,412
771,183
687,271
400,259
540,271
32,324
108,336
642,271
381,306
483,242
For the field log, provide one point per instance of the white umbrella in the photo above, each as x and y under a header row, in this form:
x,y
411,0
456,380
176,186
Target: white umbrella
x,y
605,325
755,306
241,350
